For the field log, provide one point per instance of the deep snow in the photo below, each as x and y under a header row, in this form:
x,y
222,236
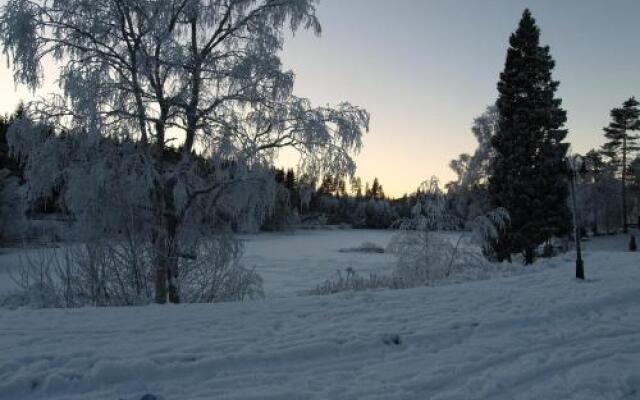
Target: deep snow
x,y
537,335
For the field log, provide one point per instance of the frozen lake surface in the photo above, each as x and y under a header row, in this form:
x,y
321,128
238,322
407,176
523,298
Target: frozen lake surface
x,y
295,262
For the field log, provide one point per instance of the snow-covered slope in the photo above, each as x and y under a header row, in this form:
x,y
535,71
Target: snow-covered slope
x,y
539,335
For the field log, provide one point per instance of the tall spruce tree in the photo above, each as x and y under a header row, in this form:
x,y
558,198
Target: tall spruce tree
x,y
528,172
622,143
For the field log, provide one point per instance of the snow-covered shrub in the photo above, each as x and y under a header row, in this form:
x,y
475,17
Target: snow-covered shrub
x,y
365,247
215,274
36,279
486,228
105,273
423,256
427,254
11,207
120,273
94,273
102,275
351,281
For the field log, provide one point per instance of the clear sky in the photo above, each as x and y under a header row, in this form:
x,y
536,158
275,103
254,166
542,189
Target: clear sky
x,y
425,68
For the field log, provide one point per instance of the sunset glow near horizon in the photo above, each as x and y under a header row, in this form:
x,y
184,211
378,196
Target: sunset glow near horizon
x,y
426,69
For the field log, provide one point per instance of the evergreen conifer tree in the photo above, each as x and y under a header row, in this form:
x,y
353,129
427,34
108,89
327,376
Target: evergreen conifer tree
x,y
621,144
290,180
528,172
356,187
375,189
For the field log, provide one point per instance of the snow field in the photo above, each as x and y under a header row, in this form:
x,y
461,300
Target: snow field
x,y
536,335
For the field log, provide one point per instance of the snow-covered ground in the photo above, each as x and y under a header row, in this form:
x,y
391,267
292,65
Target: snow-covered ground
x,y
536,335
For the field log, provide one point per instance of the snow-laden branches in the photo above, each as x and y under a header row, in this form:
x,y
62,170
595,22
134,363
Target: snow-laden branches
x,y
428,249
204,75
19,30
468,193
472,170
325,137
199,68
179,106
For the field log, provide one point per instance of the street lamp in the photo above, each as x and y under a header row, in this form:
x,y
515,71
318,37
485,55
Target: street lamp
x,y
574,163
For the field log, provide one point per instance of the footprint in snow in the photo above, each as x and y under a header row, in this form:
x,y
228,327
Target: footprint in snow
x,y
391,339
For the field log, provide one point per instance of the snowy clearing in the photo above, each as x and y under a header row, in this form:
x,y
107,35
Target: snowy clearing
x,y
531,336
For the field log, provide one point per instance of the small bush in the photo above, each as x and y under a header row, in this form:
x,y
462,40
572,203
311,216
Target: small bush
x,y
121,273
351,281
12,216
366,247
216,274
90,274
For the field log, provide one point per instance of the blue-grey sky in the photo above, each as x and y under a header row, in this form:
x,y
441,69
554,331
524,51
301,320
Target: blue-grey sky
x,y
426,68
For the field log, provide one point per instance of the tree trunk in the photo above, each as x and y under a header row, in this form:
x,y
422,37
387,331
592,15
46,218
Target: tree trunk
x,y
166,221
172,259
528,256
160,272
165,243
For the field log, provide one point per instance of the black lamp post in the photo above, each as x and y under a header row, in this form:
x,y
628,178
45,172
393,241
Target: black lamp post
x,y
573,163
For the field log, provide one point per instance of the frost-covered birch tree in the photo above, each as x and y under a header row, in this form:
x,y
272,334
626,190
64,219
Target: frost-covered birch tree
x,y
468,192
179,106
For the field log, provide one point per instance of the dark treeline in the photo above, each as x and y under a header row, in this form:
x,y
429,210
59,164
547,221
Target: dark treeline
x,y
300,200
608,184
609,177
332,200
11,180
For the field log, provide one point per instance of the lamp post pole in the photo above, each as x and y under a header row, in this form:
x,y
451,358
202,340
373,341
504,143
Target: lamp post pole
x,y
571,161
